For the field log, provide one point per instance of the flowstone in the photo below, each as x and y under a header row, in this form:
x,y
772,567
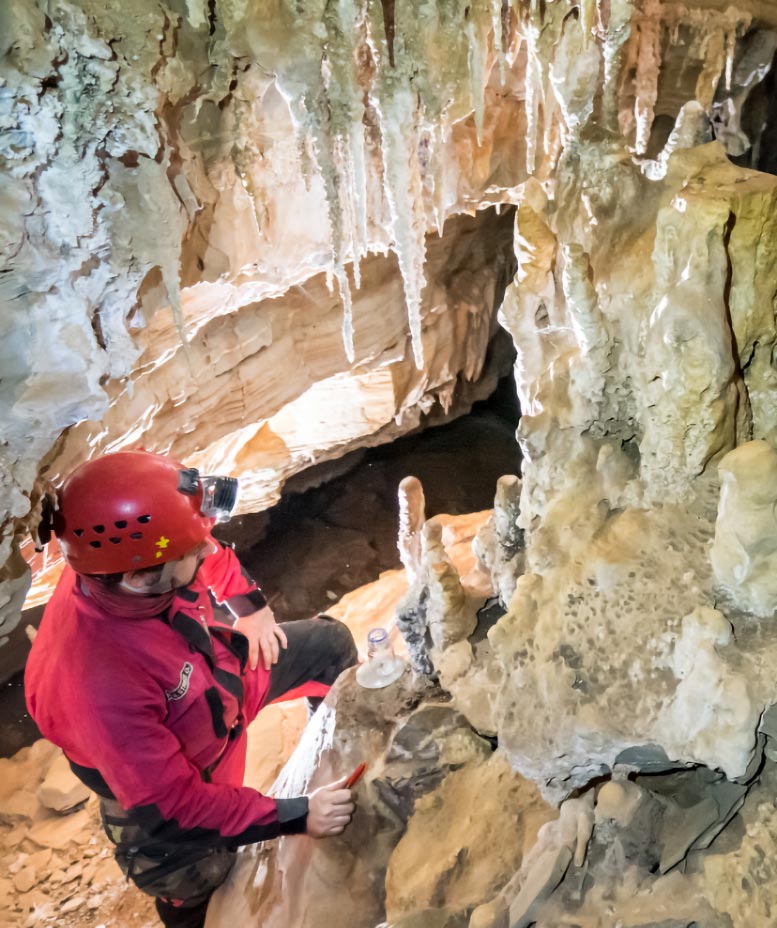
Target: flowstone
x,y
744,553
424,764
614,638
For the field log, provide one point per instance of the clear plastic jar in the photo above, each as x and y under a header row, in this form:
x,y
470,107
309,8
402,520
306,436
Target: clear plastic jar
x,y
382,666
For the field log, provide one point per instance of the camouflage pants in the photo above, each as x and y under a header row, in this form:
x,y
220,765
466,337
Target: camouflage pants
x,y
171,871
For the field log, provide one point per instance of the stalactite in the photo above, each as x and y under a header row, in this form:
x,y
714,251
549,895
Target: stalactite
x,y
587,19
412,99
483,19
333,172
358,198
533,87
551,118
616,34
326,102
573,74
417,94
714,50
731,44
713,41
648,72
496,23
338,113
404,193
477,73
553,56
438,174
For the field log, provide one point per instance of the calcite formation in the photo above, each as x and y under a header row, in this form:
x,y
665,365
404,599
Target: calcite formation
x,y
218,228
634,640
744,553
500,543
631,395
617,645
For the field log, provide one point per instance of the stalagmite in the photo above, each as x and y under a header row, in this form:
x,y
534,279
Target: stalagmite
x,y
436,610
507,508
449,614
499,544
412,516
691,128
411,614
587,321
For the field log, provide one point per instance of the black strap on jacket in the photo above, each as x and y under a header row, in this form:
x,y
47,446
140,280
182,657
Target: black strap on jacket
x,y
199,637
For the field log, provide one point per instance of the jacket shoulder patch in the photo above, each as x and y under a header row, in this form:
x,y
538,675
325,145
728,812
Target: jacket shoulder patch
x,y
183,683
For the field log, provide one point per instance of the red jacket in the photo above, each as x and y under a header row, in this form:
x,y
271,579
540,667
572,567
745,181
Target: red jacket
x,y
150,711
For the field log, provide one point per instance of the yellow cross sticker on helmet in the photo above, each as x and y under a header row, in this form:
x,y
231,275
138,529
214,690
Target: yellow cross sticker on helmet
x,y
162,542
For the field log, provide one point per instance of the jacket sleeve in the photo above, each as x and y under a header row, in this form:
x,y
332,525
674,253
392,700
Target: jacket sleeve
x,y
223,575
142,764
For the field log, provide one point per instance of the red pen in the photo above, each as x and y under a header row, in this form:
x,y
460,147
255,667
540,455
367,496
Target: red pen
x,y
354,778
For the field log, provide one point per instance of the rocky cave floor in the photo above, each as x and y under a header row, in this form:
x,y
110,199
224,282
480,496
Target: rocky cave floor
x,y
314,547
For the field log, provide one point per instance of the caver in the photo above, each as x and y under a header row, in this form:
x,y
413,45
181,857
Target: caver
x,y
149,693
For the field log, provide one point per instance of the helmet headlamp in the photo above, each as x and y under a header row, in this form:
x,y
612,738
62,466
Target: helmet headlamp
x,y
219,494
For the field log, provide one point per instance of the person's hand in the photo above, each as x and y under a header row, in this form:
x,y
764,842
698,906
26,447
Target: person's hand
x,y
330,809
263,634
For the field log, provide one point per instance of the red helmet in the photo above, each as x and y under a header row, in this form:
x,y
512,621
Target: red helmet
x,y
130,510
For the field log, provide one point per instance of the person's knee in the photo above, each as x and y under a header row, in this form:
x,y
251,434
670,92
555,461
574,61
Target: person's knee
x,y
341,644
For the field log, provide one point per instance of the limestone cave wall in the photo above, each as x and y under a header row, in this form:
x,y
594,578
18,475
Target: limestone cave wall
x,y
219,219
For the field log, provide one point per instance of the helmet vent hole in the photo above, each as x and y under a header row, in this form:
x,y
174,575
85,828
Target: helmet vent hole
x,y
144,519
122,523
115,541
136,535
95,544
99,529
78,532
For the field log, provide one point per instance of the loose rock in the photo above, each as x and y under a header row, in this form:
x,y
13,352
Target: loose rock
x,y
62,790
25,879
